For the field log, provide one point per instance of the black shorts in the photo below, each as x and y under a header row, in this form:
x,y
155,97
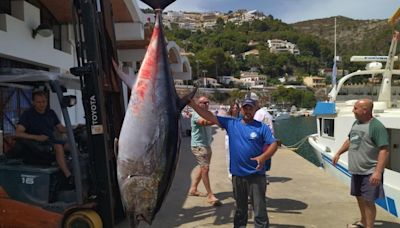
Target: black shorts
x,y
360,186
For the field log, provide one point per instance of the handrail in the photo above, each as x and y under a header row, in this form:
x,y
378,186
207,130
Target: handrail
x,y
334,92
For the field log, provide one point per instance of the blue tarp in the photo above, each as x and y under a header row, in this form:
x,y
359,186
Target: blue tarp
x,y
324,108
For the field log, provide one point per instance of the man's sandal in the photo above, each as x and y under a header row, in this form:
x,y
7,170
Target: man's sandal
x,y
357,224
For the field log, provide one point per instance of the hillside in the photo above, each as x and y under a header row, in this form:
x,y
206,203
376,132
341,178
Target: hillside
x,y
354,37
212,49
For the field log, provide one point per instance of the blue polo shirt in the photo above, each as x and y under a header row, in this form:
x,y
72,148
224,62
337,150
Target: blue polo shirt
x,y
245,141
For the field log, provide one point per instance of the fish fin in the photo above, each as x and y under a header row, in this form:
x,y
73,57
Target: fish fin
x,y
157,4
129,80
182,102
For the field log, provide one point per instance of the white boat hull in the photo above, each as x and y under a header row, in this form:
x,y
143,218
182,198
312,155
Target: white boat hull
x,y
391,202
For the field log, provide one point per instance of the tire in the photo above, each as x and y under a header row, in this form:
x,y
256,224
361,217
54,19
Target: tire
x,y
83,219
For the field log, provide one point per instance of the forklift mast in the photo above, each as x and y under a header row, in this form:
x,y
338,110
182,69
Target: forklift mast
x,y
102,100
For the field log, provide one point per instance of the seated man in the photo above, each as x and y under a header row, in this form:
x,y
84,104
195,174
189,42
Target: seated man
x,y
35,136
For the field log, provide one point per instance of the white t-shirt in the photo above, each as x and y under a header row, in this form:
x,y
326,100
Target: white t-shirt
x,y
263,116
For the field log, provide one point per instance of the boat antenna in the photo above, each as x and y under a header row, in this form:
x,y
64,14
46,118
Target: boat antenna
x,y
334,68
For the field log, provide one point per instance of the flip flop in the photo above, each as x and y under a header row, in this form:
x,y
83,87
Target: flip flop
x,y
198,194
215,203
357,224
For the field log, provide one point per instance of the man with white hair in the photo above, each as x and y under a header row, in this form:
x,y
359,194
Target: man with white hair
x,y
262,114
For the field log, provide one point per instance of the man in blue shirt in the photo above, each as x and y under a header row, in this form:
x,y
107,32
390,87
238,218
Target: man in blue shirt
x,y
247,138
36,127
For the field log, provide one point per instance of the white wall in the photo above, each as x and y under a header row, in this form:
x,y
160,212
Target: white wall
x,y
129,31
16,41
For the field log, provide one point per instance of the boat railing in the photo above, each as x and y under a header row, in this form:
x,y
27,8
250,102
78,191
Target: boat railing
x,y
385,90
335,90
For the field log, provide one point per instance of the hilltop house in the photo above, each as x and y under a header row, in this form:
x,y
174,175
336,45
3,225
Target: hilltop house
x,y
282,46
314,81
251,79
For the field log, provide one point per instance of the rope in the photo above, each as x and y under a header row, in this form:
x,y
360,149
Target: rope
x,y
297,145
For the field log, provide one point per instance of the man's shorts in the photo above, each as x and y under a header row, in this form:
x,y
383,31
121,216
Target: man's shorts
x,y
360,186
202,154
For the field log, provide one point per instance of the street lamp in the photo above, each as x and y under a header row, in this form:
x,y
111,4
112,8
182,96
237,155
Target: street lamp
x,y
216,67
198,71
204,77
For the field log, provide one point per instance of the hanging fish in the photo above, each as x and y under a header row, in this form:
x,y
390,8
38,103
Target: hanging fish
x,y
149,141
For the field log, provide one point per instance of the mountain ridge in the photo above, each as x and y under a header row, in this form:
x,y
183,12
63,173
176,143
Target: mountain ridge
x,y
353,35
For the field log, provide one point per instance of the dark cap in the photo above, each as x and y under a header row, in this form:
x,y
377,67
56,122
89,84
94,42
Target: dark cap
x,y
249,102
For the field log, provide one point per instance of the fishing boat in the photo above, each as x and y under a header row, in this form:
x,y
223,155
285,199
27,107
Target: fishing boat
x,y
335,118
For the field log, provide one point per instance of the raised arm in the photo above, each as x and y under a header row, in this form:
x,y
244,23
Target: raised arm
x,y
205,114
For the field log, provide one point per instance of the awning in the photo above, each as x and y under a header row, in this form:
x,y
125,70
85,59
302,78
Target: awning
x,y
324,108
20,75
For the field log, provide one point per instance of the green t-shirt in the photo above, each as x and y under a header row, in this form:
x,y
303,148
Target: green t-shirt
x,y
365,142
201,135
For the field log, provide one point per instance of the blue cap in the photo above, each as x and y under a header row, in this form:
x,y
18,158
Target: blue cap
x,y
249,102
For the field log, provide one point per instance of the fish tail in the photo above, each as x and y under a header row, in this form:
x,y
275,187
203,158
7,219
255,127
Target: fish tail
x,y
158,4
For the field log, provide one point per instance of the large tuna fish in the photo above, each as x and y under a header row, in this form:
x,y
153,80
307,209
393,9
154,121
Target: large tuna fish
x,y
149,141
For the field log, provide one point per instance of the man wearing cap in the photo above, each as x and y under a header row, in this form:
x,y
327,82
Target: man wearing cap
x,y
263,116
247,138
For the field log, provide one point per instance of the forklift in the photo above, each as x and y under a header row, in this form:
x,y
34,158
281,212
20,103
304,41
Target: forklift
x,y
29,194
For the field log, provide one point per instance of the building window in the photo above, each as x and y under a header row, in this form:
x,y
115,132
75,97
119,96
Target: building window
x,y
5,7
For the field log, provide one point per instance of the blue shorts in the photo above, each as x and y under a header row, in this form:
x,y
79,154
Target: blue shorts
x,y
360,186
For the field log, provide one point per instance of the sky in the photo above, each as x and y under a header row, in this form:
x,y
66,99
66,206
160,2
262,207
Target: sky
x,y
291,11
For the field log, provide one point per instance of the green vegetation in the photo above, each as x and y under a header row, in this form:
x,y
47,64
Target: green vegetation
x,y
219,51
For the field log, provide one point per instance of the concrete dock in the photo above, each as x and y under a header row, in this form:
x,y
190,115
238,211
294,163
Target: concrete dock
x,y
299,195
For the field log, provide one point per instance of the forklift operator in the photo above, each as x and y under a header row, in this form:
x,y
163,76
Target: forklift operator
x,y
35,136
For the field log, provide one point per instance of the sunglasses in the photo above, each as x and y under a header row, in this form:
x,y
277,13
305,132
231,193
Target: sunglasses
x,y
205,102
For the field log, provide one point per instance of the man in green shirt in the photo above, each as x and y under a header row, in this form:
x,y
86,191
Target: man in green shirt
x,y
200,143
367,146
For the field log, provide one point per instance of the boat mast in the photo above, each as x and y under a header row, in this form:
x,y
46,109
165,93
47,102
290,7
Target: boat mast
x,y
334,58
334,70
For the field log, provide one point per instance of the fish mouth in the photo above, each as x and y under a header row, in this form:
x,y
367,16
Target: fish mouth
x,y
135,219
139,196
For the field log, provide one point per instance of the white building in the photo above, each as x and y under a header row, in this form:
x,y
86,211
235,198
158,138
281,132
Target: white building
x,y
207,82
55,51
252,79
282,46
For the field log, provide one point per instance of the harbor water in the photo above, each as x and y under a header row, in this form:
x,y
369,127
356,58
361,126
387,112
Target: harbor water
x,y
294,130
